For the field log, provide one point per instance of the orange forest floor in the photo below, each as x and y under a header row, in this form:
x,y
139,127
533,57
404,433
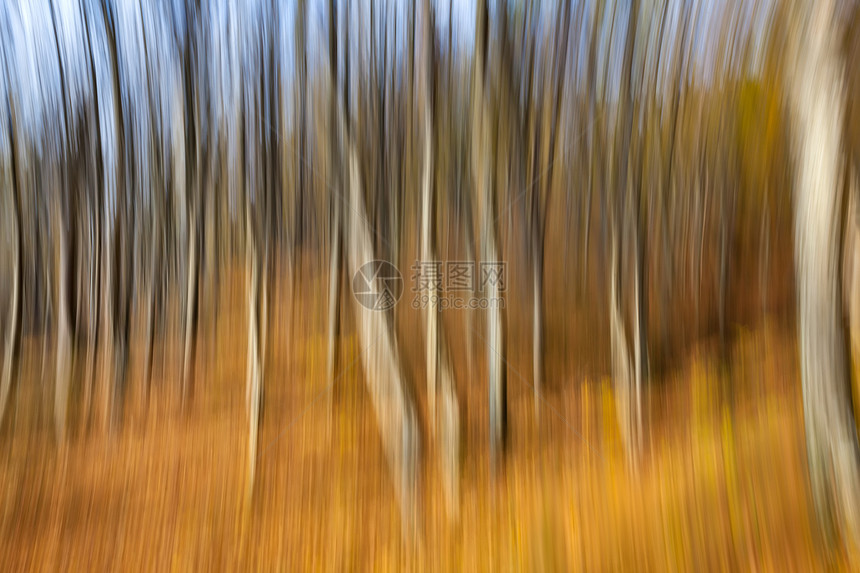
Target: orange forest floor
x,y
721,484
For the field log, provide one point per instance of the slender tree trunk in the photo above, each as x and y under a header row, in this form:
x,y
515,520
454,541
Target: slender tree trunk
x,y
152,300
537,322
114,195
94,236
481,156
334,280
64,346
13,328
627,375
191,302
255,363
395,413
439,371
622,364
335,209
194,187
60,213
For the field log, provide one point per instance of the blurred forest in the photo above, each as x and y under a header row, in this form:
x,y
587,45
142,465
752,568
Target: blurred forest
x,y
665,378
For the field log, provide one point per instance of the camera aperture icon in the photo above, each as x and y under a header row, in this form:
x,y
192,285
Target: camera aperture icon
x,y
377,285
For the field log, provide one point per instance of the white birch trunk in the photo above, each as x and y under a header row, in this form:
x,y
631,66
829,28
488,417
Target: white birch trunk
x,y
817,104
439,374
396,418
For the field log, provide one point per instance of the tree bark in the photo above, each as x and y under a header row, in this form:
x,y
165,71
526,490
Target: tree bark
x,y
626,231
13,328
483,187
439,372
817,105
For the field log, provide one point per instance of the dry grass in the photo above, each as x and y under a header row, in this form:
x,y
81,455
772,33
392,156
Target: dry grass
x,y
722,485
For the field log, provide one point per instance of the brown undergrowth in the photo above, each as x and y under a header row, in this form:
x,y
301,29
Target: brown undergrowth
x,y
721,484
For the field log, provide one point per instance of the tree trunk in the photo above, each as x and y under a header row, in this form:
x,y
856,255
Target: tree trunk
x,y
61,213
817,104
395,413
439,373
489,251
191,302
625,228
255,363
13,329
64,342
334,278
